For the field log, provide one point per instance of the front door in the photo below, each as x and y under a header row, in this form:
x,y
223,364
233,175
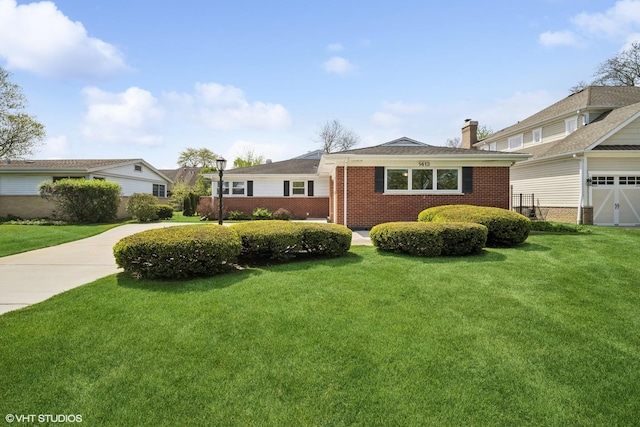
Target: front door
x,y
616,199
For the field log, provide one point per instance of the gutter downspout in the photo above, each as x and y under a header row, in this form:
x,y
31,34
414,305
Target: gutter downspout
x,y
580,219
346,160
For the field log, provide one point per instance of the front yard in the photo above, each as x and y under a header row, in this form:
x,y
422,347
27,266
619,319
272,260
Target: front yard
x,y
542,334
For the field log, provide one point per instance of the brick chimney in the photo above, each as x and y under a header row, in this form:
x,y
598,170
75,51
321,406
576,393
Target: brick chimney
x,y
469,134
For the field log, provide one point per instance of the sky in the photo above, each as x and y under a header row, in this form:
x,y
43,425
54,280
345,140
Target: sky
x,y
114,79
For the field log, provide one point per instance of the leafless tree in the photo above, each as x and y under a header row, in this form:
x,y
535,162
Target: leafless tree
x,y
333,136
622,69
454,142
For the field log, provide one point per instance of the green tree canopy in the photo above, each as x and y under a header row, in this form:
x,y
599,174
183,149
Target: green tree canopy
x,y
197,157
20,133
248,158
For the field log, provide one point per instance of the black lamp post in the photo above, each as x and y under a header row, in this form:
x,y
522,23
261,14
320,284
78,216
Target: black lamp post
x,y
221,163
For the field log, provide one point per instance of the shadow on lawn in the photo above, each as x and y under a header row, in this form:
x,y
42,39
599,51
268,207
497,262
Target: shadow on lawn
x,y
238,274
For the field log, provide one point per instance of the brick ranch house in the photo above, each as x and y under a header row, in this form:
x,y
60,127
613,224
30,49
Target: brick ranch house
x,y
364,187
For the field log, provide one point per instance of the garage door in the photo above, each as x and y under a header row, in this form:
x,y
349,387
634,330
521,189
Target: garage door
x,y
616,199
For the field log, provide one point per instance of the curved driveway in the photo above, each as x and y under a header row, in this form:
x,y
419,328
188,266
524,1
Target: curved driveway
x,y
34,276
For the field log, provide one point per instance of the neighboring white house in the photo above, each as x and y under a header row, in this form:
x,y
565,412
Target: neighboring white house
x,y
585,164
19,180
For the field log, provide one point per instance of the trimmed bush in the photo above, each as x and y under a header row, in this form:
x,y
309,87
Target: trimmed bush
x,y
325,239
414,238
282,214
164,211
429,239
84,201
261,214
178,252
556,227
271,239
506,228
238,216
143,207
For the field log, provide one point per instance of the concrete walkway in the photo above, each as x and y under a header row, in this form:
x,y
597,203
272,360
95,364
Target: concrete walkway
x,y
35,276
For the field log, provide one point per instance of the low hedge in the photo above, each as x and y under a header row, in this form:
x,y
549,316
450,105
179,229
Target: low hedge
x,y
325,239
428,238
178,252
271,239
505,227
164,211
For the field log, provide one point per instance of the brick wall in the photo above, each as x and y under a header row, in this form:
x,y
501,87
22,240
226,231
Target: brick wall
x,y
570,215
300,207
367,208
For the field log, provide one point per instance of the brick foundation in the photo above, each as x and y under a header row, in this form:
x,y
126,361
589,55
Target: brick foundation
x,y
564,214
367,208
300,207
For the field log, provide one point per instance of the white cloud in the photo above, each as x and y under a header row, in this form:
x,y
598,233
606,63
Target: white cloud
x,y
623,17
621,22
558,38
39,38
225,108
386,120
128,117
339,65
335,47
55,147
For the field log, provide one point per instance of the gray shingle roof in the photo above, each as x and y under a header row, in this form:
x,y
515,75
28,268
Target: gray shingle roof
x,y
410,147
291,166
591,97
187,174
586,136
67,164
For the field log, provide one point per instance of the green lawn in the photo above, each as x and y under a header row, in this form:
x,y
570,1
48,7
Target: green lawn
x,y
21,238
543,334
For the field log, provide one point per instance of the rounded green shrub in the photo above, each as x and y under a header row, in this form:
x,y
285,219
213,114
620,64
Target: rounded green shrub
x,y
414,238
271,239
261,214
325,239
179,252
84,201
462,238
505,227
164,211
143,207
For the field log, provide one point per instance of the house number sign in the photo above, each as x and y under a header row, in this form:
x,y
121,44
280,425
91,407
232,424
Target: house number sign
x,y
423,163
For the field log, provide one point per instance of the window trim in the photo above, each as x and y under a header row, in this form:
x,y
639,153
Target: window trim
x,y
533,136
568,122
303,187
157,193
515,138
433,190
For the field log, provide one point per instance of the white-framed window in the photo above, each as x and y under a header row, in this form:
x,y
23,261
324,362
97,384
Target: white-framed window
x,y
237,188
422,179
537,136
515,142
159,190
493,146
298,188
571,125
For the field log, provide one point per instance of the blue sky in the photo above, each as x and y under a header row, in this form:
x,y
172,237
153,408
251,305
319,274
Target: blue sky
x,y
143,79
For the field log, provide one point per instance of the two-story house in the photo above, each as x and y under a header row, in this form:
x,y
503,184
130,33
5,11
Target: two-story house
x,y
585,164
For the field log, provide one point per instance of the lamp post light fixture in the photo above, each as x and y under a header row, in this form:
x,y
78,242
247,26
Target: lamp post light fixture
x,y
221,164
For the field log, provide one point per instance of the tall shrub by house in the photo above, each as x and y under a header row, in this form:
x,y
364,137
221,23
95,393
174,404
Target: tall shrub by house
x,y
84,201
143,207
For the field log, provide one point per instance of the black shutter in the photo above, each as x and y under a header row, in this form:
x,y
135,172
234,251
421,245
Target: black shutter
x,y
310,188
286,188
379,180
250,188
467,180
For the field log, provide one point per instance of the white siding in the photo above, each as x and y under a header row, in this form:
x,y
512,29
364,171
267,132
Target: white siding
x,y
21,185
274,186
130,186
629,135
554,184
614,164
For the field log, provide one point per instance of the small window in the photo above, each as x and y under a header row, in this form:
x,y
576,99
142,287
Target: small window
x,y
397,179
602,180
447,179
537,136
515,142
571,125
159,190
137,168
298,188
493,146
238,188
630,180
422,179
